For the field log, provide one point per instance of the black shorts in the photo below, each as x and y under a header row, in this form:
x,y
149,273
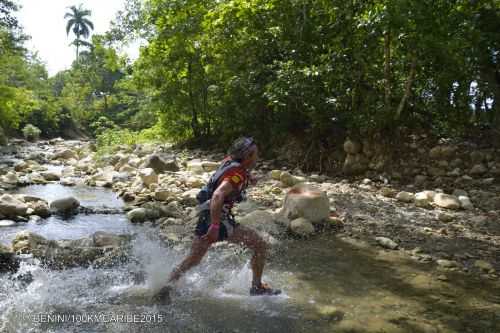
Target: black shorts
x,y
227,225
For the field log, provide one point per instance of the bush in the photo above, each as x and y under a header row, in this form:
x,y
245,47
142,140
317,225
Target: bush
x,y
31,133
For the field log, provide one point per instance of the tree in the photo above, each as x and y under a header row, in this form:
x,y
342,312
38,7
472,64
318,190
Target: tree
x,y
79,24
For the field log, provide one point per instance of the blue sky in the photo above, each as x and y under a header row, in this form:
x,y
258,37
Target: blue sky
x,y
44,22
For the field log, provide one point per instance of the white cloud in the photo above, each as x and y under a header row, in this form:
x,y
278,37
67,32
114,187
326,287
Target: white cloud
x,y
44,22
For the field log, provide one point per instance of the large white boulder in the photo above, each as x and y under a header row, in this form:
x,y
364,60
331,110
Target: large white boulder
x,y
306,201
446,201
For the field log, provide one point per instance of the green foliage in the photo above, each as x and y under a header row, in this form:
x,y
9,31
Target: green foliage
x,y
111,139
31,133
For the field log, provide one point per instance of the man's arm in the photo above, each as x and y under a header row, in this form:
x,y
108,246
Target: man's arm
x,y
217,200
216,204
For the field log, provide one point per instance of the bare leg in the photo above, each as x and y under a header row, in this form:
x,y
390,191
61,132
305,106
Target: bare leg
x,y
198,250
252,240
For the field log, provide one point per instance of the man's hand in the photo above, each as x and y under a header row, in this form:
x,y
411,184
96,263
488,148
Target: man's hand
x,y
212,234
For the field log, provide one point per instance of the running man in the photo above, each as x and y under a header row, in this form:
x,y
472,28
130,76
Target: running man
x,y
216,223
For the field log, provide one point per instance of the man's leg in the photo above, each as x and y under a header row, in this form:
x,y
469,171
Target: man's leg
x,y
198,250
252,240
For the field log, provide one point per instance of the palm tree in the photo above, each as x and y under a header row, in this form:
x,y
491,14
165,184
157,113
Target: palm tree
x,y
79,24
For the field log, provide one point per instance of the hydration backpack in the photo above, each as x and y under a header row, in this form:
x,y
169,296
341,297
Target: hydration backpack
x,y
208,190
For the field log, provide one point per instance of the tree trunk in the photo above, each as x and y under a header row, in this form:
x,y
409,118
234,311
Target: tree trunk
x,y
408,85
387,70
194,112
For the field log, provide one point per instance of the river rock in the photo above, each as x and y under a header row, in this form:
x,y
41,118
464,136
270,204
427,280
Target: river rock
x,y
262,221
65,154
194,182
195,166
301,227
308,202
127,168
209,166
465,202
137,215
423,199
148,176
159,165
405,196
189,197
275,174
27,242
352,147
447,263
442,152
162,195
40,208
7,223
478,169
288,179
50,176
443,217
388,192
446,201
66,205
105,239
11,206
355,164
10,178
387,243
484,266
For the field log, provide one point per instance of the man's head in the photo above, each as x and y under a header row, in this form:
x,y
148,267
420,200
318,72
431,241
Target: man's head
x,y
245,151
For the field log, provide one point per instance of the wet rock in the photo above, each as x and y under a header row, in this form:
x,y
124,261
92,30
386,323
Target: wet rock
x,y
137,215
261,220
8,262
11,206
103,239
478,169
40,208
387,243
159,165
148,176
301,227
66,205
308,202
7,223
446,201
50,176
405,196
27,242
